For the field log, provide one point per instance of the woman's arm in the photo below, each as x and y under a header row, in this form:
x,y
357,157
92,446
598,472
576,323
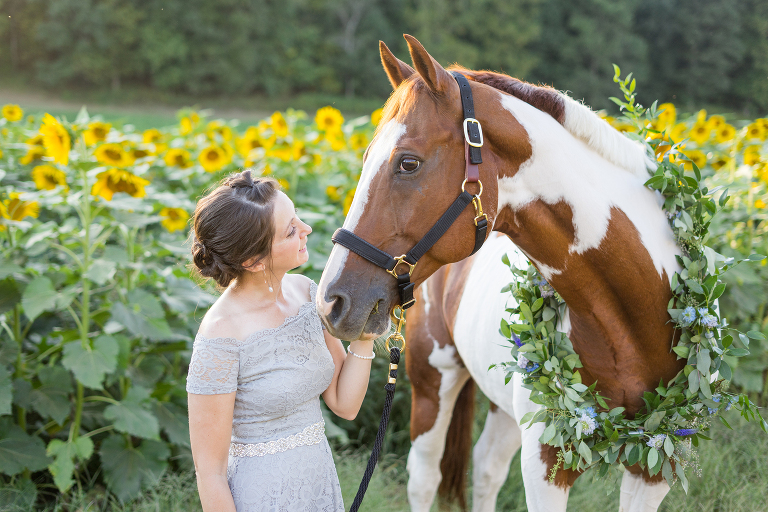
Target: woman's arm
x,y
350,380
210,431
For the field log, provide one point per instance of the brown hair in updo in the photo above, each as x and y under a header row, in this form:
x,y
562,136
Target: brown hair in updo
x,y
233,224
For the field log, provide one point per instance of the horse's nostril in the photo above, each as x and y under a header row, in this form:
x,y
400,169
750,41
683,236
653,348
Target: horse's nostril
x,y
337,311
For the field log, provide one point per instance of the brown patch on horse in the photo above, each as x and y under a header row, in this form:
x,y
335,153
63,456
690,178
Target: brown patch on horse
x,y
458,447
543,97
425,379
564,478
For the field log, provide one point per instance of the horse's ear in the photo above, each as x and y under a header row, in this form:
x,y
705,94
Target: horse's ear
x,y
435,76
397,70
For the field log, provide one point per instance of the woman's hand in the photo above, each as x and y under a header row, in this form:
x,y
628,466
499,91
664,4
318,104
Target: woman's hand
x,y
210,432
350,379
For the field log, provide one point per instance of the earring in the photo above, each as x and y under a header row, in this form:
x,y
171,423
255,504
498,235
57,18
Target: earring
x,y
265,281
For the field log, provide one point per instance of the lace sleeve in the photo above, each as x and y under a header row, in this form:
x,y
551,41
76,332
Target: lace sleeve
x,y
214,366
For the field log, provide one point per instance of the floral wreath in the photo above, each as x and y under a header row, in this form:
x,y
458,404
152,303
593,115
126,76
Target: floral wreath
x,y
663,435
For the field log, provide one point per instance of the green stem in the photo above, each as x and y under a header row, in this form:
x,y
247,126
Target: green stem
x,y
85,304
21,413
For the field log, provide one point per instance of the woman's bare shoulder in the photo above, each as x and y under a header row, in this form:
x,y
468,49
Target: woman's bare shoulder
x,y
220,321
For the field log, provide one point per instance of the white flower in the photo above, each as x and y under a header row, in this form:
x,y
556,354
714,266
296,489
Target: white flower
x,y
587,424
522,361
657,441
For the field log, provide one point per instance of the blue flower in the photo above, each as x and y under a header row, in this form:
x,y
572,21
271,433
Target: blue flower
x,y
688,316
686,431
589,411
532,368
516,339
657,441
716,397
709,321
546,290
703,311
711,411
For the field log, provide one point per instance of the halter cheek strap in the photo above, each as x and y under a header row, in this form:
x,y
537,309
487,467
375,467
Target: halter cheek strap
x,y
473,141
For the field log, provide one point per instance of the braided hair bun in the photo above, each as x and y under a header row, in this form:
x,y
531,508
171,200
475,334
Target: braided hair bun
x,y
233,224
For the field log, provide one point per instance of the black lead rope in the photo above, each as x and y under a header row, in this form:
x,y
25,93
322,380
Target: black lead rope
x,y
394,358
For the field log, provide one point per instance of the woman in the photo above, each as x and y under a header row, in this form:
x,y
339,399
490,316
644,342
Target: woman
x,y
261,359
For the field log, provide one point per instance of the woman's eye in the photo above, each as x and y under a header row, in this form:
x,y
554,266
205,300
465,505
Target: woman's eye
x,y
409,164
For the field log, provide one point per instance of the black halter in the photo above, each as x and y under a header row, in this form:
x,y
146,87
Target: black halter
x,y
473,141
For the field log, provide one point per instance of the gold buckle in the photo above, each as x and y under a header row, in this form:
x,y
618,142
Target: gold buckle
x,y
479,129
396,336
479,209
398,261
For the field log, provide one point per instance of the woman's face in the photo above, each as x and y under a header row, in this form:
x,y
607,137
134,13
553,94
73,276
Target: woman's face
x,y
289,247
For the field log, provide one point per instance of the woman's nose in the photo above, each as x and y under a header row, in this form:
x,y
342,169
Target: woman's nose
x,y
307,228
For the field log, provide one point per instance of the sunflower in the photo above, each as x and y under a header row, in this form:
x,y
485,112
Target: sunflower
x,y
720,161
139,152
329,119
752,155
756,131
348,200
667,116
174,219
96,132
696,156
218,128
358,141
113,154
34,154
661,150
12,113
118,180
253,139
37,140
376,116
333,193
279,124
282,151
14,208
284,184
55,139
678,132
724,133
151,136
213,158
177,157
759,204
715,122
48,177
185,126
336,139
700,132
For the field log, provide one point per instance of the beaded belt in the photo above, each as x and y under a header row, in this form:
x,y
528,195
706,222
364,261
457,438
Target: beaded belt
x,y
313,434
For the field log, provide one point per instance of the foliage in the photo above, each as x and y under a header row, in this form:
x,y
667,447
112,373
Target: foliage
x,y
661,437
712,51
98,310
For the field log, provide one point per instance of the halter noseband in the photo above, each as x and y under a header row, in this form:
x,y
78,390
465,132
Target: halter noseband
x,y
473,141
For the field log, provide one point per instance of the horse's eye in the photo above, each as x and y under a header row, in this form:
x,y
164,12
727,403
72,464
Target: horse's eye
x,y
409,164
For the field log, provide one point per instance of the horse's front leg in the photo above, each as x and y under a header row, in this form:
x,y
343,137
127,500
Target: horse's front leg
x,y
540,494
435,385
638,495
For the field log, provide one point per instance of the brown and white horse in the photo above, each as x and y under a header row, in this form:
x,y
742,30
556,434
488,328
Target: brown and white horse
x,y
568,191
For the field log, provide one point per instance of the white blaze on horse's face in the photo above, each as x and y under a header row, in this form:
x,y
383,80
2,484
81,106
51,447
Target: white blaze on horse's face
x,y
565,168
379,153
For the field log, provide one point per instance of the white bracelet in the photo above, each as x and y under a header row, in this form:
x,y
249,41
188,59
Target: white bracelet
x,y
373,354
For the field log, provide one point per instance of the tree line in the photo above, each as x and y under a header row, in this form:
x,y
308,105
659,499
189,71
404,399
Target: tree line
x,y
691,52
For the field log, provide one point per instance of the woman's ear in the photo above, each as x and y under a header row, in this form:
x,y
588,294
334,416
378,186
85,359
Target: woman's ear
x,y
254,265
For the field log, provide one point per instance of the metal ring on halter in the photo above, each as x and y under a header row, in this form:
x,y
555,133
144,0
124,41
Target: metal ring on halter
x,y
463,184
395,337
400,320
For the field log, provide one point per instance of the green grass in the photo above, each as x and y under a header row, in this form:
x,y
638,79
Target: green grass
x,y
734,469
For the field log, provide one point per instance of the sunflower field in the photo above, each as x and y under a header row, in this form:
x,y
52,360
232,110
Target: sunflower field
x,y
98,308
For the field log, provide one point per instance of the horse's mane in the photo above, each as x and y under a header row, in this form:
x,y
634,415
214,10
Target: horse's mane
x,y
577,118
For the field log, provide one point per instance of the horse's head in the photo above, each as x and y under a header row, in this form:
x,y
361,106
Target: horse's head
x,y
412,171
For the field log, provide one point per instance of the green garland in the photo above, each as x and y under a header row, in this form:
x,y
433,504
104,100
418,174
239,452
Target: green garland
x,y
677,414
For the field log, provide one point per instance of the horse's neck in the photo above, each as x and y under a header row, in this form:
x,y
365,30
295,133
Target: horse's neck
x,y
598,235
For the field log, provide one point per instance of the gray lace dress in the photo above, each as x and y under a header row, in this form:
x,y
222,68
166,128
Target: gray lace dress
x,y
279,459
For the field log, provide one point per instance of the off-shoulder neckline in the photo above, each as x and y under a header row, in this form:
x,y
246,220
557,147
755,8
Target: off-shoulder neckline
x,y
260,332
